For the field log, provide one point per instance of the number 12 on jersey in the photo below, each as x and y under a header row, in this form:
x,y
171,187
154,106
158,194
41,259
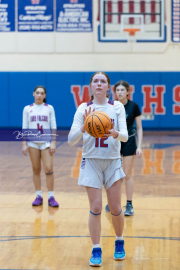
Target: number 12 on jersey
x,y
99,142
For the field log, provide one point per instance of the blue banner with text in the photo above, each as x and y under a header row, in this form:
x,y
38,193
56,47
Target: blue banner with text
x,y
7,16
35,15
74,15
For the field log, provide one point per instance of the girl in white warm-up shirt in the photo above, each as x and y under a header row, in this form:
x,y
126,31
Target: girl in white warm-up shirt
x,y
40,116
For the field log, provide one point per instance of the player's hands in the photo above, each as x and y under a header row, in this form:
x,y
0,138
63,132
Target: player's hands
x,y
87,112
112,132
138,152
52,148
25,149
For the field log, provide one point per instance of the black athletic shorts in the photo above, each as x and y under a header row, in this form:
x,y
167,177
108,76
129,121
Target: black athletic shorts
x,y
129,148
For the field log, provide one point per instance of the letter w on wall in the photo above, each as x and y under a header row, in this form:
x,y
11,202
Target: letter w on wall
x,y
84,97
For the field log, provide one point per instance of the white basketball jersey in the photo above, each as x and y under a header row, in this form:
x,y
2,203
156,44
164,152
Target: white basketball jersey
x,y
101,148
39,117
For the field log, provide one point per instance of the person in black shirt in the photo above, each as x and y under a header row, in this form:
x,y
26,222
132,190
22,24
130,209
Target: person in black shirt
x,y
129,149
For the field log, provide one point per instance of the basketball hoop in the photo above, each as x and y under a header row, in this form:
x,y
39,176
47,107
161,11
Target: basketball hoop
x,y
132,31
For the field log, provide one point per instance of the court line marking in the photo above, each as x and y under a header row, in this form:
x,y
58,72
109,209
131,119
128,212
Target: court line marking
x,y
15,238
124,207
60,144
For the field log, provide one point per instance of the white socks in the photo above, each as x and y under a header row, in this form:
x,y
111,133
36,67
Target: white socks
x,y
119,238
96,246
50,194
39,193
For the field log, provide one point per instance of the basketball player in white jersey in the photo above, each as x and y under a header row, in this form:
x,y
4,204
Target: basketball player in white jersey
x,y
101,164
40,116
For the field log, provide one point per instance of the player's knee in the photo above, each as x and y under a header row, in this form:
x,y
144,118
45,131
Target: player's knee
x,y
96,207
116,214
48,170
36,171
128,176
115,209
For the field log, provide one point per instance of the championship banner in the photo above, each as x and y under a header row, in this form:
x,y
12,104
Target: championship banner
x,y
7,15
35,15
175,8
74,16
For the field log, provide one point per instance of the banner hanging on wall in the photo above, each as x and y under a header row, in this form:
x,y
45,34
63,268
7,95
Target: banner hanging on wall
x,y
35,15
175,7
74,16
7,15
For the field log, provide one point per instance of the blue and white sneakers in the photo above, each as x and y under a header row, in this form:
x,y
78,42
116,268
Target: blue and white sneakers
x,y
119,253
107,208
96,257
129,210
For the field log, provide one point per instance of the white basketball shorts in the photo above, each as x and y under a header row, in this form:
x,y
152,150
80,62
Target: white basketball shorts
x,y
98,172
40,146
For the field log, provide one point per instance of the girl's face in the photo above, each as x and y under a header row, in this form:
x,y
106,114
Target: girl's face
x,y
39,95
121,92
99,85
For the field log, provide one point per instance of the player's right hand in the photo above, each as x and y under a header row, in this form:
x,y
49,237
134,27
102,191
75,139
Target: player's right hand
x,y
25,150
85,115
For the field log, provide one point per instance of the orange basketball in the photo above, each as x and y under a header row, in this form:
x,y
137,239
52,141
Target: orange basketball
x,y
97,124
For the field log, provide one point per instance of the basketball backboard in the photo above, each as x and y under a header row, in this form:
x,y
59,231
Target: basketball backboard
x,y
118,15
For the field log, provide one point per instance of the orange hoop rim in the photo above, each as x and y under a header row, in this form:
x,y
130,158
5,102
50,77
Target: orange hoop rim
x,y
132,31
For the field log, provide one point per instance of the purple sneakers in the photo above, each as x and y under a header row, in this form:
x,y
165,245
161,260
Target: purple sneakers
x,y
52,202
38,201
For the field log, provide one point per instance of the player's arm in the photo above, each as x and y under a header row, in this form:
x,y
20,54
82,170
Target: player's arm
x,y
139,135
122,126
121,134
52,148
78,127
76,131
25,125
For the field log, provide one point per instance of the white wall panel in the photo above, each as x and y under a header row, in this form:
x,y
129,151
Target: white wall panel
x,y
29,42
92,62
8,42
74,42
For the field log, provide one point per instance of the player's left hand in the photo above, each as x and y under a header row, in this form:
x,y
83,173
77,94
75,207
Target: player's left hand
x,y
52,148
138,152
111,132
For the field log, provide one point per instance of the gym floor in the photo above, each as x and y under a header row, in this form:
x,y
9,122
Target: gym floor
x,y
48,238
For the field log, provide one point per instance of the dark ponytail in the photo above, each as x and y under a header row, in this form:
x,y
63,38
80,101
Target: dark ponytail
x,y
40,86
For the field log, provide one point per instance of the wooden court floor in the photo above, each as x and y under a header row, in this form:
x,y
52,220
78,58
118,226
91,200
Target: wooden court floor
x,y
53,239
